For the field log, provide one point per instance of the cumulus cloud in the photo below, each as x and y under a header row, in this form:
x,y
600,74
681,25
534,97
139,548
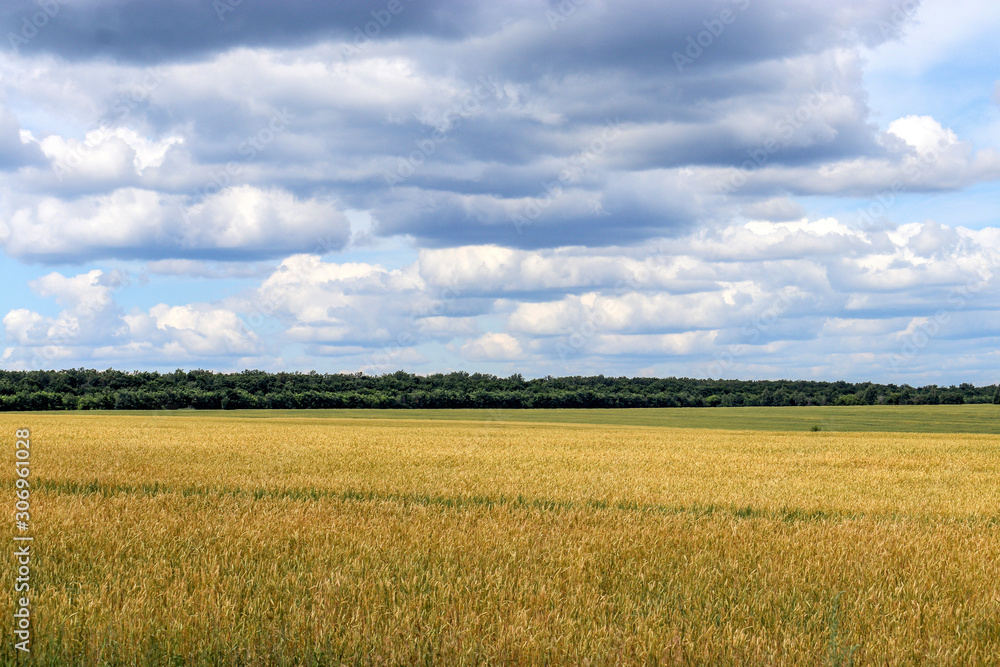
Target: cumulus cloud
x,y
923,133
192,331
24,327
240,222
731,302
92,326
88,316
109,154
379,313
492,347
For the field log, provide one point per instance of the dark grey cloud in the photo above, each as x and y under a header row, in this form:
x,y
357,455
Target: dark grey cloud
x,y
624,210
154,32
566,38
457,121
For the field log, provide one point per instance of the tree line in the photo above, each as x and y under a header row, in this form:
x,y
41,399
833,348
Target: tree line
x,y
84,389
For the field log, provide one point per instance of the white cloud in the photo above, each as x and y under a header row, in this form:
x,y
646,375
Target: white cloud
x,y
923,133
729,304
651,345
89,312
194,331
492,347
237,222
92,324
89,291
475,269
331,306
105,154
23,326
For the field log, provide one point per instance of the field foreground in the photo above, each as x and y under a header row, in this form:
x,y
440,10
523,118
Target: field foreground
x,y
232,539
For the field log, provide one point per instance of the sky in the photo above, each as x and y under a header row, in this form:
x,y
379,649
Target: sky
x,y
752,189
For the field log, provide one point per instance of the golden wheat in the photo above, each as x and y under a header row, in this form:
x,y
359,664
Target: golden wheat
x,y
213,539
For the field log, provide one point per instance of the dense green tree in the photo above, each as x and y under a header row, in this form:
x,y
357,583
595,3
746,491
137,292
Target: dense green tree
x,y
85,389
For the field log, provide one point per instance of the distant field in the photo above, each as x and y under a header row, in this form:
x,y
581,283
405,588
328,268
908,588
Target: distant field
x,y
464,537
874,418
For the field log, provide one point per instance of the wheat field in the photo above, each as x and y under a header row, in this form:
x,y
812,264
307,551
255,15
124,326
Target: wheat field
x,y
219,539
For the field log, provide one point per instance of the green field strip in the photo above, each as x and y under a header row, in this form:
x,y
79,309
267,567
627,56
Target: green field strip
x,y
981,418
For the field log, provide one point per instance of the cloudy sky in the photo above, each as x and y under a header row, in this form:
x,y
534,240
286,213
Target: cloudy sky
x,y
732,188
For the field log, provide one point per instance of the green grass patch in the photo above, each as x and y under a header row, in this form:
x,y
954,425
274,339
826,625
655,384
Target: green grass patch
x,y
868,418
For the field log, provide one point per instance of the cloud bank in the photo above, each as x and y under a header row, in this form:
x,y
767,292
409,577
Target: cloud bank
x,y
542,187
